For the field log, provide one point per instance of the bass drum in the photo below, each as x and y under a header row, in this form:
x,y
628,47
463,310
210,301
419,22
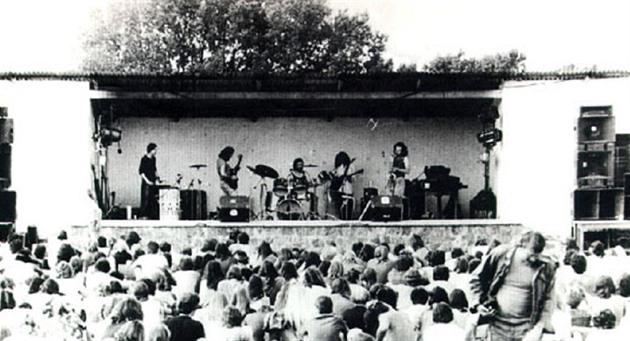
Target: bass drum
x,y
289,210
169,204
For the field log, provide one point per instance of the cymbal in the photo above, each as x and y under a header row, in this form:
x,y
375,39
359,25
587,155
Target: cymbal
x,y
310,166
198,166
264,171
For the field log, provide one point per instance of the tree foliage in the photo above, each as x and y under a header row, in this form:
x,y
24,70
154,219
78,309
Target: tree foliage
x,y
232,37
512,62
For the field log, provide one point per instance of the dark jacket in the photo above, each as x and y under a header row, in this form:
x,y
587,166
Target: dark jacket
x,y
488,278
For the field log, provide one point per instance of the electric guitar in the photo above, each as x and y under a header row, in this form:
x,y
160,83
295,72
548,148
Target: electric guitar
x,y
337,182
232,179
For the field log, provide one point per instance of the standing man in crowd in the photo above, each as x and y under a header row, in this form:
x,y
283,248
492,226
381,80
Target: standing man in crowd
x,y
148,192
512,289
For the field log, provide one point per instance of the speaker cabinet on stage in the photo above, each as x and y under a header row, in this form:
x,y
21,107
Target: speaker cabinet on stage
x,y
234,209
6,229
595,168
7,206
596,124
5,166
598,203
387,208
193,204
626,192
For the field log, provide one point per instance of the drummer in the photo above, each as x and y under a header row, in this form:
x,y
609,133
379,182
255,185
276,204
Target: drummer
x,y
301,183
298,177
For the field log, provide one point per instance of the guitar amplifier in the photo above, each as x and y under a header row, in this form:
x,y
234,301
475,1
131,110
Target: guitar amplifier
x,y
387,208
234,209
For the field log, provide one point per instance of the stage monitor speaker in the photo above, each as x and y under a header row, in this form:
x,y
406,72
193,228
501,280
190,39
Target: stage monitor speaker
x,y
7,206
234,209
387,208
6,229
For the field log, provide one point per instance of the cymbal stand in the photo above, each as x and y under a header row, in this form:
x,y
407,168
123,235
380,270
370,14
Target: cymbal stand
x,y
263,214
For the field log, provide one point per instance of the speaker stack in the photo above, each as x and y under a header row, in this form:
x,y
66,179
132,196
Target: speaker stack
x,y
7,197
598,196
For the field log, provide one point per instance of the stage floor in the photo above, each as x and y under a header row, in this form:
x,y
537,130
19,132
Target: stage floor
x,y
303,223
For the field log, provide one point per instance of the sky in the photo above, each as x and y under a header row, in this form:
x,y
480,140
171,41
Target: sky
x,y
45,35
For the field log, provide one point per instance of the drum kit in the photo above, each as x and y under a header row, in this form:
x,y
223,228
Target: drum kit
x,y
294,200
177,202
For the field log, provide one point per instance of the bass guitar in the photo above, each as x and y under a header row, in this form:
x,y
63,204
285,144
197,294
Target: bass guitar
x,y
337,182
232,179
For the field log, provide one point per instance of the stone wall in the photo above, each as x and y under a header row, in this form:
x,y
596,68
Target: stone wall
x,y
443,235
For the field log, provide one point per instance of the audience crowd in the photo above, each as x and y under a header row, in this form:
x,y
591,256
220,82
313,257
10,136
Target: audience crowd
x,y
129,289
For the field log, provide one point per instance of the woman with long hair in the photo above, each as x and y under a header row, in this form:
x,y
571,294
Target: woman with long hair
x,y
211,300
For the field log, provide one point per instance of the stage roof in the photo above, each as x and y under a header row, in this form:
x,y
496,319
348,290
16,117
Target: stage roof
x,y
402,95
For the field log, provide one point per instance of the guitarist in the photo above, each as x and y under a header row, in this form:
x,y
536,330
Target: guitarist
x,y
341,186
227,174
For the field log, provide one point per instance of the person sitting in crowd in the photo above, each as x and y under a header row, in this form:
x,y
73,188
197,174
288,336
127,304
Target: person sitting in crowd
x,y
228,290
326,325
443,327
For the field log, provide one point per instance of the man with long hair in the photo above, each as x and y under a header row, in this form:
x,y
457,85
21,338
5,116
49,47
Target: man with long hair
x,y
227,174
398,169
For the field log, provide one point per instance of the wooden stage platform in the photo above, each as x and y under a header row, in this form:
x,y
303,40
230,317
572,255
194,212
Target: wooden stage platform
x,y
309,233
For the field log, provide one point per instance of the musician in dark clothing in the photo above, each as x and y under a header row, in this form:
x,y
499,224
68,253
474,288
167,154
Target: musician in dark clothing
x,y
302,183
341,187
298,176
148,192
227,174
399,169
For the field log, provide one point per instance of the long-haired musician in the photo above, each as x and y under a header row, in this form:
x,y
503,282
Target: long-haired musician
x,y
341,186
302,183
399,168
298,176
227,174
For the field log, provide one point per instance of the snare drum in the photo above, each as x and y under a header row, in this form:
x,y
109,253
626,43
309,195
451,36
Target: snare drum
x,y
169,204
289,210
280,187
300,192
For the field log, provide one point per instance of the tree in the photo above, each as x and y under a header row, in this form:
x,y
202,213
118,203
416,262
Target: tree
x,y
512,62
232,37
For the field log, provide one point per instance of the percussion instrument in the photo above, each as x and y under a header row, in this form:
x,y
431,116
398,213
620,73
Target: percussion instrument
x,y
197,166
264,171
281,187
289,209
299,192
169,203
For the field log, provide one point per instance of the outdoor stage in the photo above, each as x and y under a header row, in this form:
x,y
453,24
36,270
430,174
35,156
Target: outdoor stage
x,y
309,233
